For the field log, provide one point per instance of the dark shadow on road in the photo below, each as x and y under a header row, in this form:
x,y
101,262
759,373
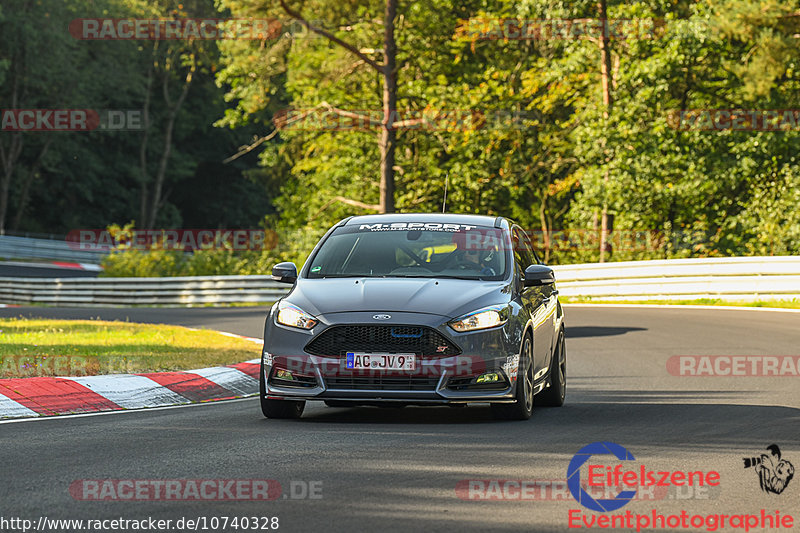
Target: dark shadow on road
x,y
657,396
599,331
600,409
406,415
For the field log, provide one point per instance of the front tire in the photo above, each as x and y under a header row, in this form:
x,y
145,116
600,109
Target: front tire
x,y
523,407
278,408
556,392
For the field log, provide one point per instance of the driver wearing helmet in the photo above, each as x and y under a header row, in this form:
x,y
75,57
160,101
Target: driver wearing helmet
x,y
478,260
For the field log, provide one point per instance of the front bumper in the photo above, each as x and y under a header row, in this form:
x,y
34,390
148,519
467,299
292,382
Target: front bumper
x,y
436,380
443,381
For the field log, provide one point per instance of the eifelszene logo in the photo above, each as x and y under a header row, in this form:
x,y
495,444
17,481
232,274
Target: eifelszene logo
x,y
617,478
574,477
774,473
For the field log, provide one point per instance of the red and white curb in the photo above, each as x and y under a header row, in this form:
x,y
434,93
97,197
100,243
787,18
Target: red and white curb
x,y
78,266
48,396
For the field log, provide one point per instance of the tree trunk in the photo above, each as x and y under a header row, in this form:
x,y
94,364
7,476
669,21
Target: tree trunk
x,y
10,155
605,76
156,199
26,186
145,176
9,159
388,132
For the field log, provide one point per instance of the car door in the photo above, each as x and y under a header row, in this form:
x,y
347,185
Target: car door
x,y
551,295
540,303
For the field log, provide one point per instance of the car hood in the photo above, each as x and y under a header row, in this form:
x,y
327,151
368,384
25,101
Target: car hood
x,y
445,297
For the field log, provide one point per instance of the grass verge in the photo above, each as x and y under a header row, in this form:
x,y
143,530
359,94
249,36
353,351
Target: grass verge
x,y
34,347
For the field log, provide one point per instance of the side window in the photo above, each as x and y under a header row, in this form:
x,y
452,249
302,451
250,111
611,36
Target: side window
x,y
522,249
532,249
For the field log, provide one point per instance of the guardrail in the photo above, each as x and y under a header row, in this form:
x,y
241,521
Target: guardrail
x,y
108,292
725,278
736,278
58,250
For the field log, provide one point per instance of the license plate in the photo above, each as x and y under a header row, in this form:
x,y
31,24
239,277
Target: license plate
x,y
380,361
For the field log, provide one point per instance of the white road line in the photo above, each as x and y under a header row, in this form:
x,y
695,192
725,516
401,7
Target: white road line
x,y
12,409
129,391
251,339
232,379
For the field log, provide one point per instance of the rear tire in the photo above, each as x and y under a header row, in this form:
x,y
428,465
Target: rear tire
x,y
523,407
555,393
278,408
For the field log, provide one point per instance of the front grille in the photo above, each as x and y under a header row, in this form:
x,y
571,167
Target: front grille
x,y
389,383
336,341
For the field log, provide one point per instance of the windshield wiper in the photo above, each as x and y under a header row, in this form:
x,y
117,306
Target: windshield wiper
x,y
473,278
324,276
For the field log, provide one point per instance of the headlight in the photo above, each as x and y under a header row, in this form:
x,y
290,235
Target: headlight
x,y
488,317
292,316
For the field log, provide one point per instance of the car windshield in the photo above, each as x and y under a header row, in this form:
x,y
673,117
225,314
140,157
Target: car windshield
x,y
424,250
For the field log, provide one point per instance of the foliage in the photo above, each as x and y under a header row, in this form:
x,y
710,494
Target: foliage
x,y
93,179
539,145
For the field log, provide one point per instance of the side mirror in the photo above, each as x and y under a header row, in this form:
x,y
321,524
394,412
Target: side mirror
x,y
538,275
285,272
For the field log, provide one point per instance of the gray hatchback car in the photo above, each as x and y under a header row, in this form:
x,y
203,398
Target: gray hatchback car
x,y
416,309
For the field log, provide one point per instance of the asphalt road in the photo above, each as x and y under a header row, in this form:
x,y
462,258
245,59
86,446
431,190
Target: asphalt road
x,y
247,321
397,469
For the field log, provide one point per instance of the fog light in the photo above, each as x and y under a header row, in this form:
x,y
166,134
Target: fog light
x,y
490,377
284,374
